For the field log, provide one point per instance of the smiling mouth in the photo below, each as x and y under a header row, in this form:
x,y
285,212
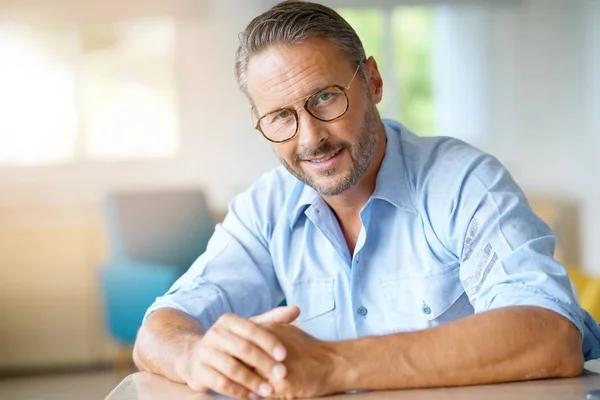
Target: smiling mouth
x,y
325,158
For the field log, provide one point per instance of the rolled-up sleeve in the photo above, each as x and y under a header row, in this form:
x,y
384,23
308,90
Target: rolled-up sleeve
x,y
508,259
505,251
234,275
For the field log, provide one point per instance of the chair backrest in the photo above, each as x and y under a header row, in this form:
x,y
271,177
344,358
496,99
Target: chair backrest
x,y
168,227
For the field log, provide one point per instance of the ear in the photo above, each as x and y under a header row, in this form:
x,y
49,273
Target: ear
x,y
374,80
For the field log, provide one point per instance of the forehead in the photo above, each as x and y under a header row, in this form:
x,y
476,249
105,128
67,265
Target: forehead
x,y
285,73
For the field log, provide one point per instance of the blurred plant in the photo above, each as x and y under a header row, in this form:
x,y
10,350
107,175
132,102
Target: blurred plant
x,y
412,39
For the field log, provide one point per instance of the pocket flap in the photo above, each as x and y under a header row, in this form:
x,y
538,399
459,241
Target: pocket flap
x,y
429,296
314,296
440,294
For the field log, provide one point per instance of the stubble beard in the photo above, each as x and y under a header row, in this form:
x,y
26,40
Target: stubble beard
x,y
361,156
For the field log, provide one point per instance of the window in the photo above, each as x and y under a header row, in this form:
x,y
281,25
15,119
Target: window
x,y
87,93
401,40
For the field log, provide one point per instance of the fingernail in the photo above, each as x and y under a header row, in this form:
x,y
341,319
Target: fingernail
x,y
253,396
264,389
279,371
279,353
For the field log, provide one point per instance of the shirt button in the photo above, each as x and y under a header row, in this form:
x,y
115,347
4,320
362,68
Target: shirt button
x,y
362,311
425,308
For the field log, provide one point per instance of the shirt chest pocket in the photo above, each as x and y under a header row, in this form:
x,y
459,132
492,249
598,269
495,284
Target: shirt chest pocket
x,y
423,302
316,300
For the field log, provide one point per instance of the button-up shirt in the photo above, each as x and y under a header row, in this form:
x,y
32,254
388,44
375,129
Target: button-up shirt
x,y
447,233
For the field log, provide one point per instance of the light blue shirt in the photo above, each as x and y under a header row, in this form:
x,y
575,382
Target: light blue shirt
x,y
446,233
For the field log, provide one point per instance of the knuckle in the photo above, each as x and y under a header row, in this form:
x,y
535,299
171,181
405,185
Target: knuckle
x,y
203,355
264,338
208,336
260,359
230,367
197,386
256,358
226,319
200,352
219,322
245,348
239,392
221,384
253,329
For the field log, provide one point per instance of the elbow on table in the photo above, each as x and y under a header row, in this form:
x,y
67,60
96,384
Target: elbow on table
x,y
567,357
137,349
572,364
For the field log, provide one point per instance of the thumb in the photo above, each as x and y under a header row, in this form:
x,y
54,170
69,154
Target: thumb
x,y
278,315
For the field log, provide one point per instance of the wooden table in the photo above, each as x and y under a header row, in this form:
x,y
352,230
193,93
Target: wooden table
x,y
144,386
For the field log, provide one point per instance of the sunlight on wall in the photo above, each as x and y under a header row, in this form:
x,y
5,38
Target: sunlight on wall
x,y
89,92
37,97
128,95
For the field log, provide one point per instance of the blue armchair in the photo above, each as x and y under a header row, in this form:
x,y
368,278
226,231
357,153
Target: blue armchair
x,y
153,238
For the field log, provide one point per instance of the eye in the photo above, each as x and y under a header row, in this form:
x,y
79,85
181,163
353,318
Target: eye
x,y
324,97
279,117
283,114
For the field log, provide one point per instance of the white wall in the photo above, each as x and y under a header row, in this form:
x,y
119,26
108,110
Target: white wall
x,y
549,142
591,225
460,69
227,153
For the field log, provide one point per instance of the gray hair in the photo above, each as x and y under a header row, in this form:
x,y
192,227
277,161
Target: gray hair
x,y
292,22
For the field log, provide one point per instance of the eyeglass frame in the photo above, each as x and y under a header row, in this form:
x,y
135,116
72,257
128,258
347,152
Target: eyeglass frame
x,y
306,99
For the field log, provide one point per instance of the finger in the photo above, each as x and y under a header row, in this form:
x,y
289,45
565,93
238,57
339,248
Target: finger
x,y
245,351
216,381
254,333
237,372
279,315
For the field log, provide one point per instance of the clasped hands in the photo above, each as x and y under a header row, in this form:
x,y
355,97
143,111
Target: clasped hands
x,y
264,356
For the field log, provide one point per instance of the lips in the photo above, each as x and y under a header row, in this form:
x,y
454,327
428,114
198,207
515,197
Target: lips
x,y
325,158
324,163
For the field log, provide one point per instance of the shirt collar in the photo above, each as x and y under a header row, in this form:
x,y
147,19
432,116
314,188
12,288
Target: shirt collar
x,y
308,197
391,184
392,180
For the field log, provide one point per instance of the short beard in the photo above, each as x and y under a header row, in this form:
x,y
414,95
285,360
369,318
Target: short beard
x,y
361,156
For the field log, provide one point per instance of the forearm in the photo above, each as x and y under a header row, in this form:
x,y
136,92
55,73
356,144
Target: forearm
x,y
164,343
509,344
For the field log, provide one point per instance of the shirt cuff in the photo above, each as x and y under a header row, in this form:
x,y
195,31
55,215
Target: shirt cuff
x,y
523,295
200,300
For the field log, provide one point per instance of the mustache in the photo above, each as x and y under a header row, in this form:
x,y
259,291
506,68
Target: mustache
x,y
324,149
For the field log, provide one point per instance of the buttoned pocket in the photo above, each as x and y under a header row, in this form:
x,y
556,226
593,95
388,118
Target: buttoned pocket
x,y
423,302
316,300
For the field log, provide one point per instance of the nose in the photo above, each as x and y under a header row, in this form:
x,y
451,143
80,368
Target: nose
x,y
311,131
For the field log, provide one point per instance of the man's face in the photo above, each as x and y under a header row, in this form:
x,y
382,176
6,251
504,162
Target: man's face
x,y
332,156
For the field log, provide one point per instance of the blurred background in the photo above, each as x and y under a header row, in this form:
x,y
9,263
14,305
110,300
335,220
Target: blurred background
x,y
104,98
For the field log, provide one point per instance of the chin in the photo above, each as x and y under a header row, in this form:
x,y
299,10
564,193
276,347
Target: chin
x,y
330,185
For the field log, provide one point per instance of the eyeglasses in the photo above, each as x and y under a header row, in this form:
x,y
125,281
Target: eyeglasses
x,y
325,105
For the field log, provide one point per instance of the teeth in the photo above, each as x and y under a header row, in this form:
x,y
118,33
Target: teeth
x,y
324,159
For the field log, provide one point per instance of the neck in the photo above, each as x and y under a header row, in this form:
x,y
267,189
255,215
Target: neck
x,y
354,199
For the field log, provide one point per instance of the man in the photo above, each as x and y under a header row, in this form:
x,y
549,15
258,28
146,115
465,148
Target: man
x,y
413,262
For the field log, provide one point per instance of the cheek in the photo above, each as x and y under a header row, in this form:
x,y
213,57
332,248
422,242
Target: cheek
x,y
349,128
356,116
285,151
